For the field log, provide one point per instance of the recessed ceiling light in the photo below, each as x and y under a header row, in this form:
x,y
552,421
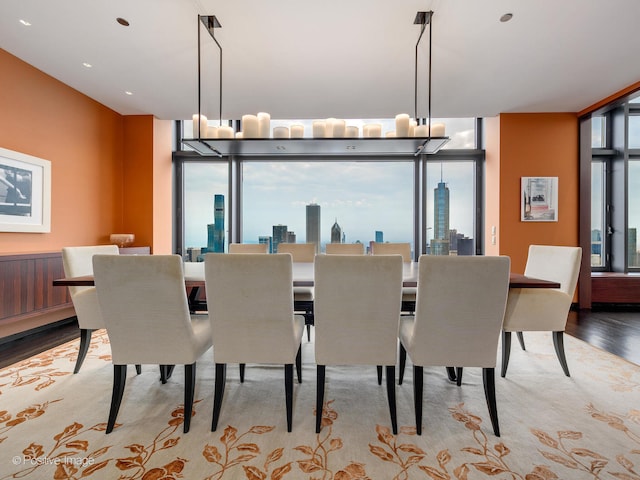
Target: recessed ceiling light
x,y
128,92
122,22
25,23
88,65
506,17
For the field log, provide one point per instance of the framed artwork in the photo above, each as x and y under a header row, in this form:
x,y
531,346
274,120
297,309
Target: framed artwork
x,y
539,199
25,193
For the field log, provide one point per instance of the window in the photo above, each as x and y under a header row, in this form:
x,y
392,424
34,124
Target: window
x,y
357,199
633,215
450,197
598,209
205,188
351,199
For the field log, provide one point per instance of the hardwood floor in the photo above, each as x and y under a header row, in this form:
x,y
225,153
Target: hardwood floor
x,y
614,330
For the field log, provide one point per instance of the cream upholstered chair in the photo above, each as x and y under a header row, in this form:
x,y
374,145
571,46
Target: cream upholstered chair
x,y
302,296
357,312
251,314
404,249
543,309
144,306
248,248
459,311
77,263
344,248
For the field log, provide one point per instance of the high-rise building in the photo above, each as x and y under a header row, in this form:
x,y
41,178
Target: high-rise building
x,y
279,236
267,240
218,229
440,242
313,225
632,248
379,236
336,233
291,237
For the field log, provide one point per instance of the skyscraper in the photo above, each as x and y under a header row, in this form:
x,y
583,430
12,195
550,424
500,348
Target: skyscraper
x,y
440,242
218,229
279,236
313,225
336,233
267,240
379,237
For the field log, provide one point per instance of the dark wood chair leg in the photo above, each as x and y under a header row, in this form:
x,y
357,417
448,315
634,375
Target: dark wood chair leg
x,y
521,340
119,380
459,376
506,352
558,343
379,370
417,396
288,393
403,363
451,374
221,374
189,390
390,375
138,369
85,340
489,381
308,332
320,374
242,368
299,364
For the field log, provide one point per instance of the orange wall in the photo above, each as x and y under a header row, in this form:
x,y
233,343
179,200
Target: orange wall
x,y
533,145
101,162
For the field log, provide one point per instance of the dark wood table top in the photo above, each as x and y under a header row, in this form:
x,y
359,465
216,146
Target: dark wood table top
x,y
516,280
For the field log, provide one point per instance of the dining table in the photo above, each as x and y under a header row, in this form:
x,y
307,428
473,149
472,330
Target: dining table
x,y
303,274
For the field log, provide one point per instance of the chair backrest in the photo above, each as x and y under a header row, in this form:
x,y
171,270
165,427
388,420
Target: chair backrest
x,y
77,261
357,309
344,248
250,301
560,264
404,249
248,248
145,309
300,252
460,308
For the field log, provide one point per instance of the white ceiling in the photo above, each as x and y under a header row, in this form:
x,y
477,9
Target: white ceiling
x,y
300,59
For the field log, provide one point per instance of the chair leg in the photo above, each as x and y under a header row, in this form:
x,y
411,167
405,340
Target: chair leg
x,y
288,393
320,374
138,369
521,340
506,352
391,396
189,390
451,374
242,368
489,381
417,396
558,343
221,374
379,370
299,364
459,376
85,340
403,363
165,372
119,380
308,332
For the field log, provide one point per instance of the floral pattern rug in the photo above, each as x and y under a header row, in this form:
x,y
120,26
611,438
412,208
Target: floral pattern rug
x,y
52,422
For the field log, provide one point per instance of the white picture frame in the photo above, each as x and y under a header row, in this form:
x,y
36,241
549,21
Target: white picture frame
x,y
539,199
25,193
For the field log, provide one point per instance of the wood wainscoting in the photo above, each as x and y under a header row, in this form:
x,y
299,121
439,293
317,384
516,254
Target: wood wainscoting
x,y
615,288
28,298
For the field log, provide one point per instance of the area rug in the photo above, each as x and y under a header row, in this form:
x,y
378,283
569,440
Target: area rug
x,y
52,423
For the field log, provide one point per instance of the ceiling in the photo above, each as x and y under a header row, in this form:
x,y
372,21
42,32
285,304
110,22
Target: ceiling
x,y
300,59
